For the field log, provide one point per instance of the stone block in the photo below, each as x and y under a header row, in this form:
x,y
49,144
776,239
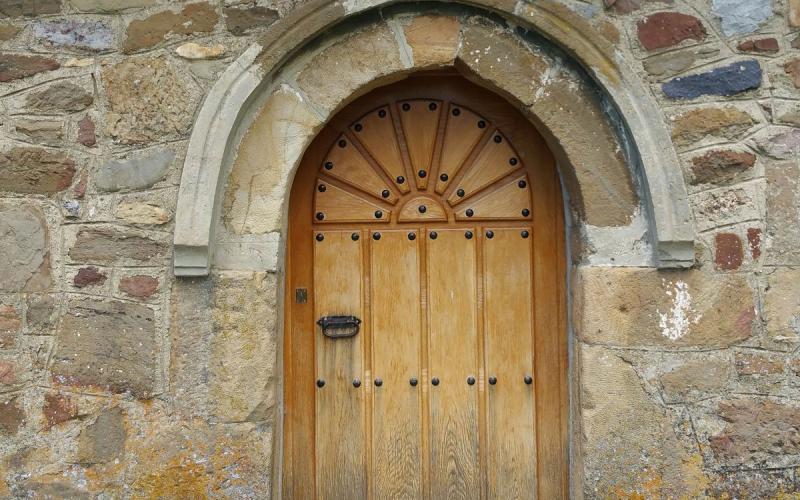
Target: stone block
x,y
786,112
62,97
239,20
433,40
139,286
12,415
91,35
720,166
24,244
758,364
782,213
86,132
780,143
728,251
740,17
728,206
58,408
107,346
108,246
696,379
106,6
149,32
727,123
794,13
8,31
31,170
754,484
49,132
10,323
103,440
760,46
671,63
88,276
139,172
666,29
782,305
727,80
147,214
15,67
8,373
39,315
662,310
195,51
29,8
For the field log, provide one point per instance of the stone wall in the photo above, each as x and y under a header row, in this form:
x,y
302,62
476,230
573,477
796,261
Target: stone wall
x,y
119,380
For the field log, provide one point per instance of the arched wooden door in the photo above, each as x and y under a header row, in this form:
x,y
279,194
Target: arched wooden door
x,y
425,352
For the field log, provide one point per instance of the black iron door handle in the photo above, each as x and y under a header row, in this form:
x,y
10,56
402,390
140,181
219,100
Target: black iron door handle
x,y
337,327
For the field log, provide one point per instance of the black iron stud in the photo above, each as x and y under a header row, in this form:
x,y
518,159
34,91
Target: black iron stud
x,y
422,174
469,212
328,165
468,235
406,106
378,382
481,124
492,380
513,161
460,193
456,111
435,381
443,177
385,193
528,379
471,380
525,234
378,214
321,188
498,139
413,381
525,212
522,184
422,209
359,127
354,236
356,383
376,236
320,383
490,234
320,216
434,235
320,237
342,143
382,113
432,106
400,179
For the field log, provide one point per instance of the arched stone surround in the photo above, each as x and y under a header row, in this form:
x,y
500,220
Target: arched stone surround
x,y
616,157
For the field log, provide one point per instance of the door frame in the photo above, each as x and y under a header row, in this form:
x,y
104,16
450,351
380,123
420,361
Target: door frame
x,y
299,347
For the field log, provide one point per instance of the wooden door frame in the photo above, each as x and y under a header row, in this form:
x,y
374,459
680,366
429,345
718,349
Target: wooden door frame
x,y
298,346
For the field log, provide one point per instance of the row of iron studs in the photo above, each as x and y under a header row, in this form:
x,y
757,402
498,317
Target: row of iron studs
x,y
434,381
432,235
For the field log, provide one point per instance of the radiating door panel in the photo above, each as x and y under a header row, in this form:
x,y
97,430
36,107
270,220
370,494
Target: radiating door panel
x,y
396,334
511,453
340,407
453,363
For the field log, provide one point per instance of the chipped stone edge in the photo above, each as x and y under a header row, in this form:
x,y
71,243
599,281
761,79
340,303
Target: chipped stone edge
x,y
663,185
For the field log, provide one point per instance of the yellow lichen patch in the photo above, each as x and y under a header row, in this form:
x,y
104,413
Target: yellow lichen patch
x,y
694,478
181,477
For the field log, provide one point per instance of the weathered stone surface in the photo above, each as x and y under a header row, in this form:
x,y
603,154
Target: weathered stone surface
x,y
792,68
62,97
10,323
147,101
16,8
86,132
39,315
696,379
29,170
720,166
12,416
756,430
665,310
103,440
726,206
257,184
761,45
109,346
729,251
671,63
88,276
433,40
754,242
740,17
783,213
794,13
15,67
781,144
786,112
754,484
58,408
724,123
139,286
665,29
8,31
149,32
724,81
193,50
628,6
782,305
92,35
107,246
142,213
8,375
352,61
240,20
104,6
134,173
758,364
629,444
24,246
41,131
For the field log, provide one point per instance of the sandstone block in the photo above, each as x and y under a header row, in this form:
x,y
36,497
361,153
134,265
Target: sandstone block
x,y
433,40
139,286
108,346
792,68
105,6
134,173
724,81
758,364
729,251
91,35
696,379
149,32
88,276
103,440
108,246
39,315
760,45
239,20
720,166
665,29
8,375
8,31
794,13
10,323
24,247
41,131
30,170
782,305
671,63
724,123
662,310
12,416
63,97
727,206
86,132
783,213
193,50
29,8
142,214
15,67
58,408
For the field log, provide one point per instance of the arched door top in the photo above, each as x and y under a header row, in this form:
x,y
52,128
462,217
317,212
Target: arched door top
x,y
650,162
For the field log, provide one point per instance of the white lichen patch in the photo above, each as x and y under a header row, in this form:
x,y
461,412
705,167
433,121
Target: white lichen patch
x,y
676,323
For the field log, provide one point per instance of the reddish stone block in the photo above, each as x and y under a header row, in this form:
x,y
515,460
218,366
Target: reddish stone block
x,y
9,326
87,276
763,45
754,241
792,68
720,166
666,29
8,373
58,409
11,416
14,67
139,286
86,134
729,252
757,364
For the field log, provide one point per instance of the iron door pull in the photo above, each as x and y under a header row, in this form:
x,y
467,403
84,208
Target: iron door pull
x,y
337,327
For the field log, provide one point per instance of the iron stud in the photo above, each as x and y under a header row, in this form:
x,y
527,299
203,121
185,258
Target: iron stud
x,y
434,235
320,216
320,237
432,106
385,193
413,381
400,179
320,383
435,381
321,188
422,209
412,236
382,113
356,383
358,127
354,236
481,124
490,234
328,165
513,161
406,106
528,379
471,380
470,212
443,177
525,234
498,139
492,380
522,184
525,212
422,174
376,236
342,143
460,193
378,214
468,235
378,382
456,111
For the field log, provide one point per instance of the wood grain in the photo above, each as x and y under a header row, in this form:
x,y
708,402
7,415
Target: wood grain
x,y
461,136
506,202
347,164
495,161
376,132
420,119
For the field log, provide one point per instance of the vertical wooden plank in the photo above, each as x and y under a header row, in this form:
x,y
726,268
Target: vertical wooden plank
x,y
397,409
340,422
509,354
453,355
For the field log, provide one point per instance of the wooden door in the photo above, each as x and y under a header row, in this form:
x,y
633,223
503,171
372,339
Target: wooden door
x,y
425,351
